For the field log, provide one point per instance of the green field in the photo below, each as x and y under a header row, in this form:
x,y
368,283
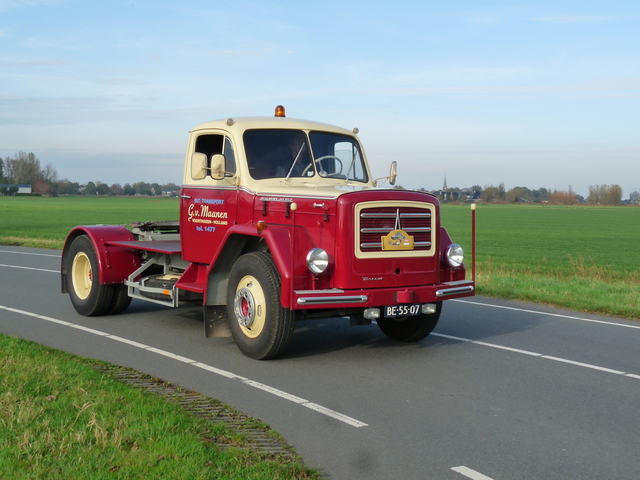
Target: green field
x,y
580,257
49,219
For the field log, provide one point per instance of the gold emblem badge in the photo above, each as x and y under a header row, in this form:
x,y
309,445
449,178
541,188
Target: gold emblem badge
x,y
397,239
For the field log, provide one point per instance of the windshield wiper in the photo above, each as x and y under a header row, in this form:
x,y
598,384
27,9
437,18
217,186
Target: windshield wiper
x,y
352,165
295,160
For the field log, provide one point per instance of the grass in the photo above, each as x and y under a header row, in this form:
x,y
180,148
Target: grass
x,y
580,257
44,222
62,419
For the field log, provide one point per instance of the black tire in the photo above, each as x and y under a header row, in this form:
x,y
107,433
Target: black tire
x,y
259,324
410,329
121,300
88,296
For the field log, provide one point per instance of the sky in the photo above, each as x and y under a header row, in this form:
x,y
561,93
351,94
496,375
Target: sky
x,y
530,94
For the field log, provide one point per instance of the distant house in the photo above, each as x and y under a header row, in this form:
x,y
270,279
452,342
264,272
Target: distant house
x,y
21,188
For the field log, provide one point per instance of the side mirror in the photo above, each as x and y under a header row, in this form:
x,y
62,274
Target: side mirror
x,y
217,166
393,173
198,166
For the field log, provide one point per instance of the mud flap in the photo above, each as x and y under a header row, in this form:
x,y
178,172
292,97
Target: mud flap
x,y
215,321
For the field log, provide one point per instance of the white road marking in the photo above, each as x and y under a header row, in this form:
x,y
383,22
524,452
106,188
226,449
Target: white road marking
x,y
29,253
547,314
30,268
467,472
266,388
536,354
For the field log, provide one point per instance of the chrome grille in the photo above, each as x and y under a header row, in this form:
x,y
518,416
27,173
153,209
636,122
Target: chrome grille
x,y
379,221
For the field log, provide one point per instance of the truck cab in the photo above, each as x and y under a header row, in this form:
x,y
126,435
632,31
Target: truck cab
x,y
280,220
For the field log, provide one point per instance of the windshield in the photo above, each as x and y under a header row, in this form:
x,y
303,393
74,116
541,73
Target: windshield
x,y
338,156
275,153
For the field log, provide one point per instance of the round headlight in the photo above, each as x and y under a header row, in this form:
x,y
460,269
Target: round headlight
x,y
317,260
455,255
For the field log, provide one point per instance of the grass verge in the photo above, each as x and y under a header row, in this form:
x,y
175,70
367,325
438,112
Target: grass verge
x,y
52,243
60,418
583,291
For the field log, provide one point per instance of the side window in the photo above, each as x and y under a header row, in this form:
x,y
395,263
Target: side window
x,y
212,145
230,157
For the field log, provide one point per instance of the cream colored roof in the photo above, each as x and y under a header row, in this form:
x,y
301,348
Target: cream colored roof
x,y
245,123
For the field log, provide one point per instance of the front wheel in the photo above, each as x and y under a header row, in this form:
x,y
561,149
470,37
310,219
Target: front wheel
x,y
260,326
410,329
88,296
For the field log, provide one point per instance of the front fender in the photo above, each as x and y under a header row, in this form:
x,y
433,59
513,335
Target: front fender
x,y
115,263
278,241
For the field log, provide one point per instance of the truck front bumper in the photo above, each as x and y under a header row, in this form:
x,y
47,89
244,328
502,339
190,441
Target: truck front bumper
x,y
378,297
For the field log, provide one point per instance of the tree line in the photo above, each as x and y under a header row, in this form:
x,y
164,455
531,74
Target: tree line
x,y
598,195
24,168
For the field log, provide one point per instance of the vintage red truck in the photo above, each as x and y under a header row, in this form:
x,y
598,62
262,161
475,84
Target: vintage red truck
x,y
280,220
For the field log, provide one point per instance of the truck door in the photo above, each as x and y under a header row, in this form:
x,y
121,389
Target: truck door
x,y
208,206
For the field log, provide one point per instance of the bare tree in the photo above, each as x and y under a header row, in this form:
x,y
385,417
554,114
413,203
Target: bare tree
x,y
614,195
490,193
561,197
23,168
116,189
502,194
49,173
605,194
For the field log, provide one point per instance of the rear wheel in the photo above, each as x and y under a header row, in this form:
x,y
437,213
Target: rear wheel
x,y
410,329
88,296
260,326
121,299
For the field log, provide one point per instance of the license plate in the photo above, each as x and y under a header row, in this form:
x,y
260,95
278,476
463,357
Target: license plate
x,y
402,310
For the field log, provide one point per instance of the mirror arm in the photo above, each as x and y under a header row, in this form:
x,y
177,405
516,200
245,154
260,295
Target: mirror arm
x,y
384,180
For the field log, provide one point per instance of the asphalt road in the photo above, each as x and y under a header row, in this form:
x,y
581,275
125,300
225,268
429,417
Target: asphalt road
x,y
500,390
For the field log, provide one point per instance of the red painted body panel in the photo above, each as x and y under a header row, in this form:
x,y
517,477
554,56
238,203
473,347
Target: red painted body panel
x,y
116,262
206,214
